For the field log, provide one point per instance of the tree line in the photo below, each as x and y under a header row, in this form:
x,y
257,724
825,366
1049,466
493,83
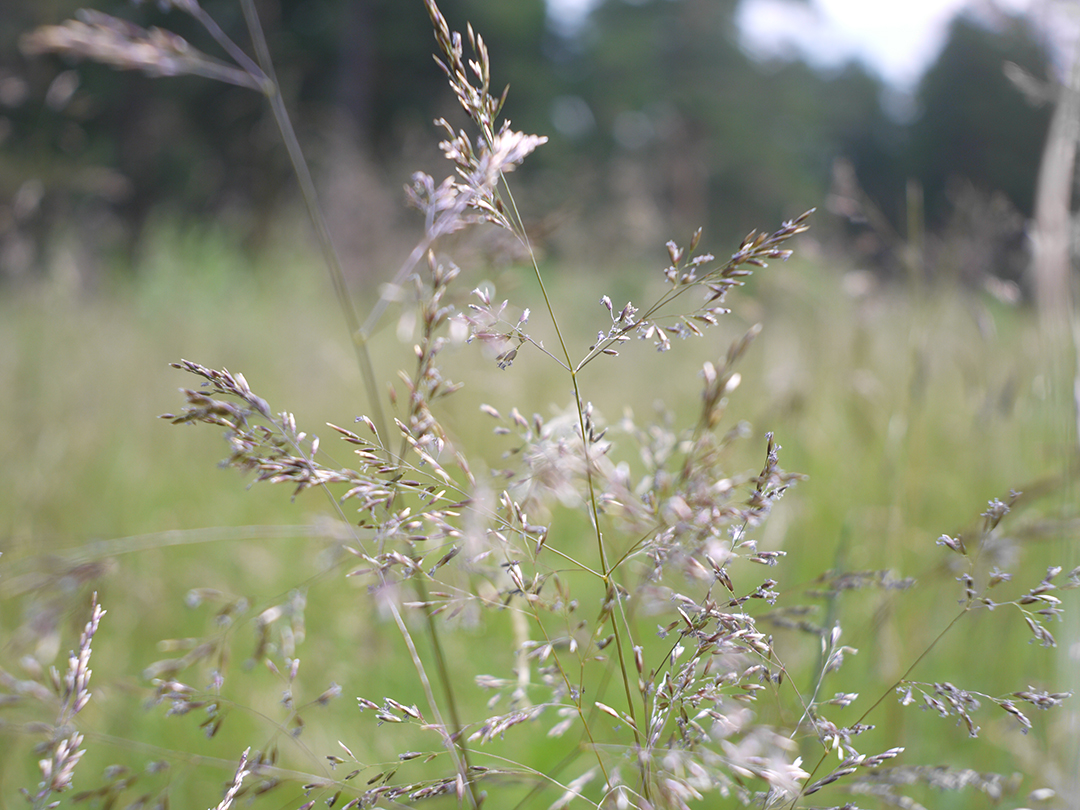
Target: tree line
x,y
651,104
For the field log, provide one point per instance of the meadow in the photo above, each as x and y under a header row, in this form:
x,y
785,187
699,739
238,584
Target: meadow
x,y
906,412
809,554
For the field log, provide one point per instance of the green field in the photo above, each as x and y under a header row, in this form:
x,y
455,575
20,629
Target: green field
x,y
907,410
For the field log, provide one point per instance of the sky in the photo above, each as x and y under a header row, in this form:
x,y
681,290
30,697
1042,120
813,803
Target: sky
x,y
897,40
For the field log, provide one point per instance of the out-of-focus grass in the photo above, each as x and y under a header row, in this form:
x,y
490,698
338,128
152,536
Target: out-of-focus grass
x,y
907,413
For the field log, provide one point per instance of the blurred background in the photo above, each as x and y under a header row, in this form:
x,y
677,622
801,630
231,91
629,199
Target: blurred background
x,y
920,122
907,363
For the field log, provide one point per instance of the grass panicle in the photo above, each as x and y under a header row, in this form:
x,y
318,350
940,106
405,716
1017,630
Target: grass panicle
x,y
607,587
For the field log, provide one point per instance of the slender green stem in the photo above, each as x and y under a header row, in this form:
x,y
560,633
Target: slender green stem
x,y
605,569
231,48
318,221
452,745
359,339
890,690
914,664
445,677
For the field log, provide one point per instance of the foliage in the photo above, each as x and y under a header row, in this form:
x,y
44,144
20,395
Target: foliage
x,y
630,588
974,125
660,116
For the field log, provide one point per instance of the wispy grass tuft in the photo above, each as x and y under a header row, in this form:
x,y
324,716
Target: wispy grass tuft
x,y
600,618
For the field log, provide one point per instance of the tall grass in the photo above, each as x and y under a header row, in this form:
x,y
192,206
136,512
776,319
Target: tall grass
x,y
572,581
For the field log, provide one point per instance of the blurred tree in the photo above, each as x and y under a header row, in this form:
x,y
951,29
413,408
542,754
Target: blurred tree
x,y
696,132
194,146
659,121
860,131
404,87
973,123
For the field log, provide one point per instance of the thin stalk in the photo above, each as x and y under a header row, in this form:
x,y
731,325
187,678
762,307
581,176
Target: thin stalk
x,y
605,575
455,744
359,340
457,751
318,221
890,690
605,569
576,697
454,738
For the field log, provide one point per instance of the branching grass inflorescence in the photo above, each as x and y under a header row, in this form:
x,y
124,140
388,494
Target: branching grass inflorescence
x,y
647,653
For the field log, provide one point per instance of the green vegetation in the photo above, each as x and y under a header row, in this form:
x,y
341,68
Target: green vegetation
x,y
555,586
907,415
656,115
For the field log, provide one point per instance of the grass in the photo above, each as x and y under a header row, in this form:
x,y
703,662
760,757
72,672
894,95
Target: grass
x,y
582,607
833,379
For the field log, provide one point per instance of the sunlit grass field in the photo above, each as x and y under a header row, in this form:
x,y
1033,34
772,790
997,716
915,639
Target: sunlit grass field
x,y
908,410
